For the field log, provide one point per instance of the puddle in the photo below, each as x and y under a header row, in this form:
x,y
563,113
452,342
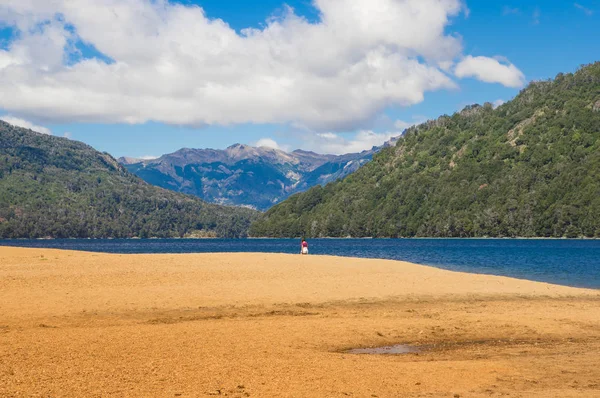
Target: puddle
x,y
387,350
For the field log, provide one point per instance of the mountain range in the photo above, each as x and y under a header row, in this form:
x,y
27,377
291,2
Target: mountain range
x,y
242,175
53,187
528,168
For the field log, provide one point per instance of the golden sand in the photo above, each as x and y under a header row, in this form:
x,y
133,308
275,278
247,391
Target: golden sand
x,y
268,325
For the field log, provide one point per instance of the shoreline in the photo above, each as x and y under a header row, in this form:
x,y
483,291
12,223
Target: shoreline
x,y
323,237
76,323
292,255
504,257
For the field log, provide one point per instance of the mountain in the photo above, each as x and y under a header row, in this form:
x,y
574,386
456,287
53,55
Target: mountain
x,y
55,187
128,160
529,168
243,175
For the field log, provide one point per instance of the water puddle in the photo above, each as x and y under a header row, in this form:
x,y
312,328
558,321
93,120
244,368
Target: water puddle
x,y
387,350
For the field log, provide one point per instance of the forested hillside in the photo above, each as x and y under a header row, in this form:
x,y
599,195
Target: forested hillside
x,y
530,168
55,187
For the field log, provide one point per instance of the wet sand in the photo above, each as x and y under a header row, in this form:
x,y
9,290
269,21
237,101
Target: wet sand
x,y
271,325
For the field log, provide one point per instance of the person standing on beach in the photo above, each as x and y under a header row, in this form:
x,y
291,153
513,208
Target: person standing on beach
x,y
304,247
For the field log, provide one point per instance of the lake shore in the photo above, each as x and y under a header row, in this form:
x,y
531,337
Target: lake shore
x,y
257,324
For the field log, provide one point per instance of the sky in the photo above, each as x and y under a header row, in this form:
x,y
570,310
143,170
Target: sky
x,y
143,78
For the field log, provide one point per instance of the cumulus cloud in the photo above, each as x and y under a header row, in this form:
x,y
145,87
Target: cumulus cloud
x,y
15,121
402,125
498,102
267,142
337,143
490,70
168,62
327,136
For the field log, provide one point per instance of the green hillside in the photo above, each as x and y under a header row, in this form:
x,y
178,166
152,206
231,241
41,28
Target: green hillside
x,y
529,168
55,187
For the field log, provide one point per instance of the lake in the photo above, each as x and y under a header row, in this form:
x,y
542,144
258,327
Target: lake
x,y
566,262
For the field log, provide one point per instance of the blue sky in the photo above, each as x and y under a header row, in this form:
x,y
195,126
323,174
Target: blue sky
x,y
535,39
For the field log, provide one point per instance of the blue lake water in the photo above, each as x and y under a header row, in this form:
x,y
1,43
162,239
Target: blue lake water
x,y
565,262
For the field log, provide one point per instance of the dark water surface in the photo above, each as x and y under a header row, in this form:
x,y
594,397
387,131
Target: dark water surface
x,y
388,350
565,262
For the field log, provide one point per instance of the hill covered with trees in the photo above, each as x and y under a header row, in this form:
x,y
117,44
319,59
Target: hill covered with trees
x,y
529,168
59,188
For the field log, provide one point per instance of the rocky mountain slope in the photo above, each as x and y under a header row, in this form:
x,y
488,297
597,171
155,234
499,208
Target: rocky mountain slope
x,y
530,167
55,187
244,175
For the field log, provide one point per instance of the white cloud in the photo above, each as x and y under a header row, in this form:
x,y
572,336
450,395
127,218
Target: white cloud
x,y
510,11
402,125
537,13
327,136
337,144
587,11
148,157
490,70
498,102
67,134
171,63
467,11
15,121
267,142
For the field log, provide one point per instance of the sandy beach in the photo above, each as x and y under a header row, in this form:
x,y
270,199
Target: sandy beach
x,y
77,324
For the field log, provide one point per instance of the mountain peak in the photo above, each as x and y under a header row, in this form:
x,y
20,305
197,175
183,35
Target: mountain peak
x,y
245,175
129,160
